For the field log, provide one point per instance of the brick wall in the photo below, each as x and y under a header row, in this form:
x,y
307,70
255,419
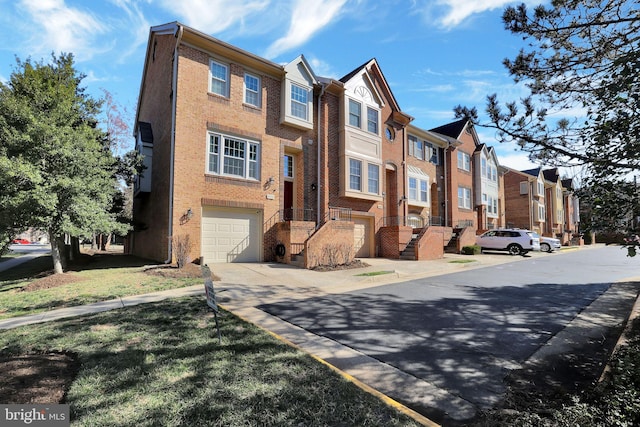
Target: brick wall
x,y
517,206
331,243
432,242
151,212
393,240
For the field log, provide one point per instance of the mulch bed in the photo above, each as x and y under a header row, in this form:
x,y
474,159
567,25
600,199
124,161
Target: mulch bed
x,y
37,378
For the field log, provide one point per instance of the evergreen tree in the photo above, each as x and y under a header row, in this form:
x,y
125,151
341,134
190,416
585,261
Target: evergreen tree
x,y
56,167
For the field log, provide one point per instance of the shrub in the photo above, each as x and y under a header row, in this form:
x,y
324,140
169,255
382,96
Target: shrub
x,y
470,250
181,245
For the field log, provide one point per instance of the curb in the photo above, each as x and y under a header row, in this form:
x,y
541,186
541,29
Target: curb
x,y
383,397
623,338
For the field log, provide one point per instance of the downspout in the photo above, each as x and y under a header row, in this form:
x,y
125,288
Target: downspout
x,y
318,187
446,189
174,97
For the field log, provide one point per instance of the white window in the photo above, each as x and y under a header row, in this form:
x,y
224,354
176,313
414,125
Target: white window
x,y
372,120
419,149
355,113
541,212
299,102
419,189
540,188
495,206
494,174
432,153
483,168
413,189
355,175
464,161
219,78
288,166
424,191
252,90
231,156
464,197
373,178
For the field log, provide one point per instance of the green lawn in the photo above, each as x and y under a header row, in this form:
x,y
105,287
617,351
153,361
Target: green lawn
x,y
98,278
161,364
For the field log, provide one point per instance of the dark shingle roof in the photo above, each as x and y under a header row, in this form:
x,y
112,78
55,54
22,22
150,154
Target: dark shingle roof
x,y
551,174
567,183
453,129
532,172
354,72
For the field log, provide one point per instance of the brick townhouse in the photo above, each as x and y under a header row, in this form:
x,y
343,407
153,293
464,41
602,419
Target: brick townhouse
x,y
474,186
257,161
541,201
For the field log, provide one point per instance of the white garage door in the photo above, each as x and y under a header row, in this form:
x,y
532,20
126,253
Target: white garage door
x,y
362,237
231,235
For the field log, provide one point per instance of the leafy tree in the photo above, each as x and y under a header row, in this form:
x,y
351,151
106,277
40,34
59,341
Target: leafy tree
x,y
581,65
56,167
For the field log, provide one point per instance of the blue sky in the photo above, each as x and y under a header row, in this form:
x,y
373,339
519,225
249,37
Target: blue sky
x,y
435,54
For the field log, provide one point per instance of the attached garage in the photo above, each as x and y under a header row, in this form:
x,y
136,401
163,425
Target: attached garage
x,y
231,235
362,237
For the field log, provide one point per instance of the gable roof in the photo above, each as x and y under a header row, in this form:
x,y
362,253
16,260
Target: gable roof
x,y
568,183
453,129
533,172
372,66
349,76
551,175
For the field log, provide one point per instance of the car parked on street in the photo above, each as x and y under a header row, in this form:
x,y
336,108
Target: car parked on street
x,y
20,242
516,241
549,244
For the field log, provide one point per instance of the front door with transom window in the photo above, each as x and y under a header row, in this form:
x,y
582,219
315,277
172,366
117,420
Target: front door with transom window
x,y
288,199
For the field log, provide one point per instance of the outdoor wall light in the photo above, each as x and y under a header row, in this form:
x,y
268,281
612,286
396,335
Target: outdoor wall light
x,y
189,213
313,187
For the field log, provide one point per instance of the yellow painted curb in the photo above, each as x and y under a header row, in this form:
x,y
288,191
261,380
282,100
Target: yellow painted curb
x,y
386,399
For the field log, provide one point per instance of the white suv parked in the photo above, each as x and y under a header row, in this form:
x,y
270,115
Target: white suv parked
x,y
514,240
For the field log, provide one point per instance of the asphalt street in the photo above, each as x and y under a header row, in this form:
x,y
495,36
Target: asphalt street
x,y
464,331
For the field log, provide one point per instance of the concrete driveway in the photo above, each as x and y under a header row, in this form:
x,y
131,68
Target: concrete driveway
x,y
452,336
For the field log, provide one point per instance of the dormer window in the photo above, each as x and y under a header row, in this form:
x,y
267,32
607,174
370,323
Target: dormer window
x,y
299,101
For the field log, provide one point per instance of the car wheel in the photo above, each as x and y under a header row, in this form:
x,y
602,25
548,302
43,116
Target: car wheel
x,y
514,249
545,247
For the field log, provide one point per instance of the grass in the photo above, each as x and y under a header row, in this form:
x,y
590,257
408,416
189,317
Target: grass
x,y
105,277
161,364
375,273
462,261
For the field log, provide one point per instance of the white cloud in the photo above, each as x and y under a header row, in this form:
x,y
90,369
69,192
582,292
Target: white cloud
x,y
452,13
135,23
322,68
215,16
517,161
63,28
307,18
